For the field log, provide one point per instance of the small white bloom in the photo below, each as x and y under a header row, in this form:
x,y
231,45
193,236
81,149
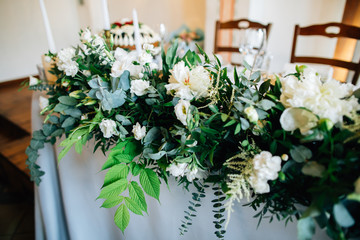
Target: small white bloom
x,y
87,73
98,41
84,117
33,81
177,169
148,47
284,157
298,118
70,68
313,169
43,102
251,114
108,128
138,131
181,110
139,87
357,186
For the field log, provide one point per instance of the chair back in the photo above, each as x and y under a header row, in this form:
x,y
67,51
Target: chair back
x,y
331,30
236,24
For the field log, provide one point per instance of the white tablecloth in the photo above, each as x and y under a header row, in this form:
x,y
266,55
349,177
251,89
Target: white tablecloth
x,y
66,205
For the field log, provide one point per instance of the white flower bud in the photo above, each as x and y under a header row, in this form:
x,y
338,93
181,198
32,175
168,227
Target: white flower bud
x,y
251,114
181,110
139,132
108,128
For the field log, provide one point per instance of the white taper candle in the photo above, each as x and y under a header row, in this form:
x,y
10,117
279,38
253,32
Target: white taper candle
x,y
49,35
137,32
106,15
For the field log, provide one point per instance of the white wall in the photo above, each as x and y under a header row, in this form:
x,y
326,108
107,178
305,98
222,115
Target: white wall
x,y
23,38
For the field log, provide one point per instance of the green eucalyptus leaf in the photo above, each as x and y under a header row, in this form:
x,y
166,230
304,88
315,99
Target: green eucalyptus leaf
x,y
156,156
342,215
300,153
67,100
73,112
48,129
68,122
36,144
306,228
266,104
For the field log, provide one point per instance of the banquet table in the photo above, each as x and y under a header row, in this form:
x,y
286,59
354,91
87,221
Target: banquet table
x,y
66,206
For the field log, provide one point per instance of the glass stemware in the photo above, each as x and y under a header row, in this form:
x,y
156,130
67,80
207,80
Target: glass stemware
x,y
253,46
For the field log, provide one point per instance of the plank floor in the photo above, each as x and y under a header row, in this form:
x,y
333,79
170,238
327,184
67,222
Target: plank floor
x,y
16,189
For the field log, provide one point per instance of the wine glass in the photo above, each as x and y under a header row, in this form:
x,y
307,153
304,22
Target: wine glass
x,y
253,46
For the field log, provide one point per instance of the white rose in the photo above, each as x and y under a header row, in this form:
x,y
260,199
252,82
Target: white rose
x,y
120,53
139,132
259,185
108,128
139,87
86,35
177,169
145,58
195,173
181,111
70,68
43,102
357,186
33,81
66,55
313,169
251,114
266,167
298,118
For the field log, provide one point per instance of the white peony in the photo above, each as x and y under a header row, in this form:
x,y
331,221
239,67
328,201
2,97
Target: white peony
x,y
266,167
251,114
327,100
298,118
108,128
138,131
177,169
313,169
119,67
33,81
181,111
43,102
139,87
189,84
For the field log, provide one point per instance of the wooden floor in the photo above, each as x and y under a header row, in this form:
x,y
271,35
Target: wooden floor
x,y
15,122
16,189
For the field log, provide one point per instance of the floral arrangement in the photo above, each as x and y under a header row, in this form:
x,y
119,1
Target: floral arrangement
x,y
186,35
290,145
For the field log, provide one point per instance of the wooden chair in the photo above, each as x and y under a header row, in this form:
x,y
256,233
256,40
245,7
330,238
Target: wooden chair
x,y
342,30
236,24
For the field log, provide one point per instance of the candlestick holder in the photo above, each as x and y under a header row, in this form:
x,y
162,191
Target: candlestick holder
x,y
48,65
107,35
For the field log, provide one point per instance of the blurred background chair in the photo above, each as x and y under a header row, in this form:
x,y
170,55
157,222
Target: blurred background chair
x,y
248,38
330,30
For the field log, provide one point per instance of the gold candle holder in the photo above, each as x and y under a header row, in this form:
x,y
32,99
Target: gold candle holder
x,y
107,37
51,78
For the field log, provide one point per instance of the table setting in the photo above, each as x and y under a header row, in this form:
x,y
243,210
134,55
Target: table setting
x,y
148,143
